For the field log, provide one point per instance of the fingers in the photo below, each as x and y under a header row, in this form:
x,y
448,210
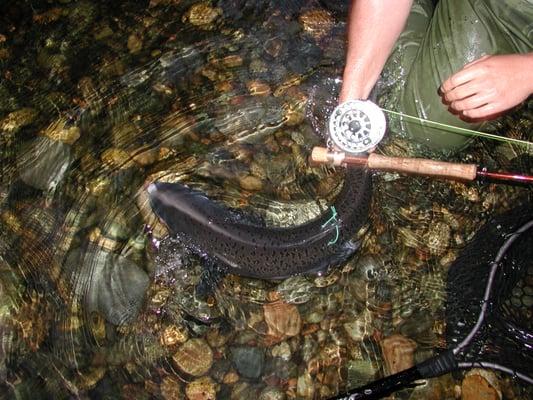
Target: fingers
x,y
481,112
458,79
487,87
465,75
462,92
466,94
474,101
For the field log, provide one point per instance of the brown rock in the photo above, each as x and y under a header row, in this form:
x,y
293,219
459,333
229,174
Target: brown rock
x,y
283,320
317,22
173,335
480,384
58,131
194,357
398,353
117,158
170,388
230,378
18,119
251,183
201,389
232,60
202,15
145,157
258,88
4,53
135,43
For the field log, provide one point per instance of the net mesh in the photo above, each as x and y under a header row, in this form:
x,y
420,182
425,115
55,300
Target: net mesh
x,y
506,336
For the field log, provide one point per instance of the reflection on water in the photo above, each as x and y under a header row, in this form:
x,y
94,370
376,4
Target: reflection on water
x,y
99,98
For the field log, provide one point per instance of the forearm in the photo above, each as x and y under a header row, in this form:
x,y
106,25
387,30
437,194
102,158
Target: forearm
x,y
373,28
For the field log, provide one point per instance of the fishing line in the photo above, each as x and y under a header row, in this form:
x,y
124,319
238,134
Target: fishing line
x,y
455,129
335,222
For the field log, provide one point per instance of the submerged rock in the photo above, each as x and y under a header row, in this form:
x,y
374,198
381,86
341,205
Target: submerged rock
x,y
203,388
110,284
305,386
170,388
316,23
480,384
194,357
360,372
44,163
248,361
17,120
398,353
202,15
173,335
272,393
283,320
437,238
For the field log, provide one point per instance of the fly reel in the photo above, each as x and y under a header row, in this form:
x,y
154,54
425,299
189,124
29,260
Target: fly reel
x,y
356,126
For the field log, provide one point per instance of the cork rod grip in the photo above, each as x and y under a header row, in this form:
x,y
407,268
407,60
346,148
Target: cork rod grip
x,y
420,166
413,166
320,155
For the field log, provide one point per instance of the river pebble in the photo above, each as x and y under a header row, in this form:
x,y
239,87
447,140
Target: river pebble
x,y
249,361
171,388
272,393
480,384
194,357
17,120
283,320
203,388
398,353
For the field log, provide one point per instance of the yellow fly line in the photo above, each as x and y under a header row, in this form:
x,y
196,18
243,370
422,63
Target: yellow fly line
x,y
460,131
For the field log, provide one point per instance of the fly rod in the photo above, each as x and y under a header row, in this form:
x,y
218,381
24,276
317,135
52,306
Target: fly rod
x,y
413,166
357,126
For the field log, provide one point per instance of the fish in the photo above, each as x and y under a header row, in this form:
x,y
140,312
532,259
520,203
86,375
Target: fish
x,y
257,251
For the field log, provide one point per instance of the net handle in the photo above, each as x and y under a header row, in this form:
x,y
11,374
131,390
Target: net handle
x,y
435,366
382,387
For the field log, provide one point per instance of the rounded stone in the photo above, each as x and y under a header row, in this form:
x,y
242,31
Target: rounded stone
x,y
251,183
316,22
248,361
170,388
194,357
272,393
201,389
173,335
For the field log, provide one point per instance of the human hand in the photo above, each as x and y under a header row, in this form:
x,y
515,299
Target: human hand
x,y
488,86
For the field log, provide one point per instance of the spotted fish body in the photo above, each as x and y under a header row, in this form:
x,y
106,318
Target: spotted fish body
x,y
259,251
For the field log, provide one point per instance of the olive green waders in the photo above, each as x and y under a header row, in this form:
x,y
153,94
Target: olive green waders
x,y
436,43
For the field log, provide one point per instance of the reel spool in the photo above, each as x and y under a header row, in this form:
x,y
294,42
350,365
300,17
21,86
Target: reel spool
x,y
356,126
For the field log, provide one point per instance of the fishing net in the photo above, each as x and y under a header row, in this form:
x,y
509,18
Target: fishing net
x,y
488,310
506,337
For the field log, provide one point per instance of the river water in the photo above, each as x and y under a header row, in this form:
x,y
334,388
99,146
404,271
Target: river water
x,y
98,99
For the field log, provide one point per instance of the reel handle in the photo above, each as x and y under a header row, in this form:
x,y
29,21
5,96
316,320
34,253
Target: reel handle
x,y
413,166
